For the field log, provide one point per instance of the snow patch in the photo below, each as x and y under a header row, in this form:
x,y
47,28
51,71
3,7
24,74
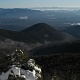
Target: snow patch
x,y
24,17
18,72
72,23
75,24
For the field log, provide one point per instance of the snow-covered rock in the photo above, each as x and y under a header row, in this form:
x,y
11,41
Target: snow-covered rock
x,y
17,73
14,71
37,70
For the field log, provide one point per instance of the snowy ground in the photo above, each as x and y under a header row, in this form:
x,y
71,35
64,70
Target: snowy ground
x,y
18,72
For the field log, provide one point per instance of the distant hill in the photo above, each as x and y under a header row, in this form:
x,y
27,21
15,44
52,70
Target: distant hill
x,y
58,47
38,33
73,30
46,33
15,12
18,18
39,28
12,27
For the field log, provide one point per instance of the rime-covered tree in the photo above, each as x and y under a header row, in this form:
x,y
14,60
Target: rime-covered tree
x,y
18,57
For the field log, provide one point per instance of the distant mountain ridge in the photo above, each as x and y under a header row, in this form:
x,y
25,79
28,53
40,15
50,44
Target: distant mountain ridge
x,y
56,8
17,18
20,18
15,11
73,30
38,33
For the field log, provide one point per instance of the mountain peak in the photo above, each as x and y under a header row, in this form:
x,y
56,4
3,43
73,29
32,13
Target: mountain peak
x,y
38,33
41,24
39,27
44,33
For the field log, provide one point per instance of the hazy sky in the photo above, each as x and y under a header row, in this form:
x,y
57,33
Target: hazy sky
x,y
38,3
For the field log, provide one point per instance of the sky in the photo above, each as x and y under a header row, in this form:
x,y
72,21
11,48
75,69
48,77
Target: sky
x,y
38,3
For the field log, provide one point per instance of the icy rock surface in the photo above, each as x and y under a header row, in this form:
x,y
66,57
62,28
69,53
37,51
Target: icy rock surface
x,y
17,73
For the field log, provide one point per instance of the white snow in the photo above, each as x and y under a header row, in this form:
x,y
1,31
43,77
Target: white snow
x,y
23,17
72,23
26,74
15,70
75,24
31,63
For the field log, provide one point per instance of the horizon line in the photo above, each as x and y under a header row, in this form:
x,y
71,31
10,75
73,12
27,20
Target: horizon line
x,y
41,7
